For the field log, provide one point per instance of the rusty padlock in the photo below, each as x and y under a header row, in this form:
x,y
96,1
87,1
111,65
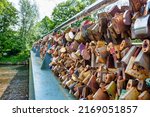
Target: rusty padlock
x,y
101,95
93,84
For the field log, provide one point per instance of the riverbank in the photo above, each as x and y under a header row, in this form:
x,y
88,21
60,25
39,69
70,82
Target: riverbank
x,y
14,80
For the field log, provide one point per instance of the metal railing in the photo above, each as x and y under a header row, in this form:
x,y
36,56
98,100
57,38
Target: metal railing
x,y
99,4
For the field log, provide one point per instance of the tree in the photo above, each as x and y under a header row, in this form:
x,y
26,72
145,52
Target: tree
x,y
44,26
8,19
68,9
28,18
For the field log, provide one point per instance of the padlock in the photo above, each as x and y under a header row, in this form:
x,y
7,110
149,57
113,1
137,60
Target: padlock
x,y
93,84
131,83
118,24
124,44
110,61
141,85
87,78
142,30
124,52
117,51
136,71
135,4
130,53
79,37
131,94
101,95
85,92
127,17
74,77
95,32
69,82
111,32
89,31
114,10
109,77
110,46
146,46
144,96
143,60
112,89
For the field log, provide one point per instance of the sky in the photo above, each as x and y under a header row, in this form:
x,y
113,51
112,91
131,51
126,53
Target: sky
x,y
45,6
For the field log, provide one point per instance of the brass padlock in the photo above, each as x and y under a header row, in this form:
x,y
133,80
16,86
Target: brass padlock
x,y
131,94
112,89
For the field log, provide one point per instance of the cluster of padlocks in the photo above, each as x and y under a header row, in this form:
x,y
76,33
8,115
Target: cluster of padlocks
x,y
97,61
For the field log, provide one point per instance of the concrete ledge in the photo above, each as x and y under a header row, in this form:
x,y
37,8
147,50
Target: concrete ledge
x,y
46,85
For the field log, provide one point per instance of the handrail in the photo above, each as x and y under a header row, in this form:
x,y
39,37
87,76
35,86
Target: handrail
x,y
99,4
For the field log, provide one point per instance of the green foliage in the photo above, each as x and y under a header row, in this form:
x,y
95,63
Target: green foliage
x,y
68,9
17,31
45,26
8,19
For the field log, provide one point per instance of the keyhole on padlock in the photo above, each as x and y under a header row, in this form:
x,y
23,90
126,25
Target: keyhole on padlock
x,y
145,45
129,85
